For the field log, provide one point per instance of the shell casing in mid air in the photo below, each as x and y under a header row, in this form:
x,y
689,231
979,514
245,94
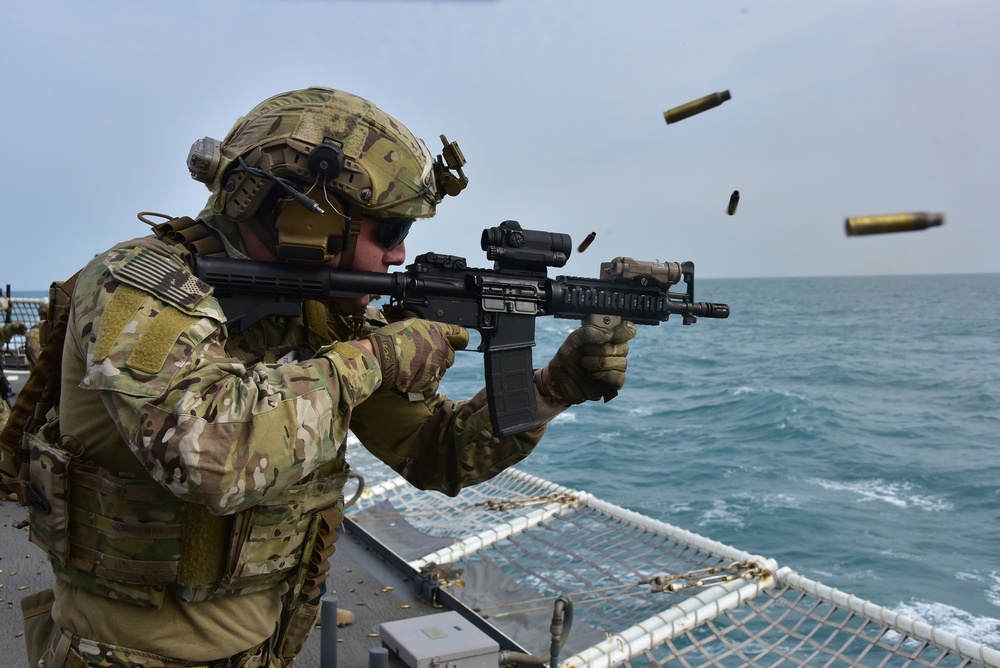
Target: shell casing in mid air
x,y
695,107
586,242
734,199
892,222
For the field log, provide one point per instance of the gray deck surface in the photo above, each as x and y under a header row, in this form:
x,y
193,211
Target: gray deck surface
x,y
357,577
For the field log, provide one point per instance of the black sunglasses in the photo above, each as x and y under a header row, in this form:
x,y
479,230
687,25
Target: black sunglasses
x,y
391,233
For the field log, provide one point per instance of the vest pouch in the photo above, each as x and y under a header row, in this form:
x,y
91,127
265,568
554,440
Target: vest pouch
x,y
48,493
297,630
272,539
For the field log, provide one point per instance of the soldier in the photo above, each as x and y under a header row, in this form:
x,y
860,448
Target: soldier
x,y
10,329
33,339
7,332
194,464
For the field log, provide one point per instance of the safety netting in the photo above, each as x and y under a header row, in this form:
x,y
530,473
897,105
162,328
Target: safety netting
x,y
643,592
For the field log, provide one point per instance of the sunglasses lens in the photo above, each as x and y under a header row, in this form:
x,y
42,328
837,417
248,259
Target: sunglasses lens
x,y
392,233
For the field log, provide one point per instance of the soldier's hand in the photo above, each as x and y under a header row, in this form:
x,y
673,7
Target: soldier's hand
x,y
415,353
589,365
19,328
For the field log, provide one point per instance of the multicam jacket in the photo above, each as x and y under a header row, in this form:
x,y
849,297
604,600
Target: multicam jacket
x,y
191,462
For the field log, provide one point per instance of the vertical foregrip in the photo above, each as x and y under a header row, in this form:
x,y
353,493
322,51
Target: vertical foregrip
x,y
510,390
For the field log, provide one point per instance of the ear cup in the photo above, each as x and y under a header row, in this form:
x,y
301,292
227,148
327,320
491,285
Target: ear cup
x,y
308,237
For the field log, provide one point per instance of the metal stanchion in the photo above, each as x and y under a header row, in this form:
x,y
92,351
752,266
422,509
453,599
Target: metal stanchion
x,y
328,632
378,657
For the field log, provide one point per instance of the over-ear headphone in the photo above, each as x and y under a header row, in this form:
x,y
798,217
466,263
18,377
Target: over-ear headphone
x,y
312,231
309,237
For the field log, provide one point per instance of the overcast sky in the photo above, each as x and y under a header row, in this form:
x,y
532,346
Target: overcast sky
x,y
839,108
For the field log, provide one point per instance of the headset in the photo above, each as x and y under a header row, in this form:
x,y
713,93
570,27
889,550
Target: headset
x,y
308,234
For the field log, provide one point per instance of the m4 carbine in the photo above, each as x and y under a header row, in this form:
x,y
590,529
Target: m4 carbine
x,y
501,303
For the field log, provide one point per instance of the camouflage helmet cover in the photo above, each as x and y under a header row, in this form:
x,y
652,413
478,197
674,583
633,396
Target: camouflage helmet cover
x,y
388,172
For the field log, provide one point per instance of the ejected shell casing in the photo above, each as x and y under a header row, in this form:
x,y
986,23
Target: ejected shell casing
x,y
734,199
892,222
585,244
696,107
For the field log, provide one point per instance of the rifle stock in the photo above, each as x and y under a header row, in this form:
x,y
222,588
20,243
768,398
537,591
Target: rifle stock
x,y
501,303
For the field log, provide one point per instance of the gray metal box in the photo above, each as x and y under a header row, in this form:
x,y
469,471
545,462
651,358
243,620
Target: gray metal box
x,y
444,640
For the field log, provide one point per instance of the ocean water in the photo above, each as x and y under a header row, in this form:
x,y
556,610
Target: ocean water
x,y
847,427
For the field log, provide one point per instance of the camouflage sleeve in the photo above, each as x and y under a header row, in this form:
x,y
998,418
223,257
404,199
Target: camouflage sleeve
x,y
8,331
212,430
439,444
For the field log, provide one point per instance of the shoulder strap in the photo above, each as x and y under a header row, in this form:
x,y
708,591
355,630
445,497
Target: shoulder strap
x,y
194,235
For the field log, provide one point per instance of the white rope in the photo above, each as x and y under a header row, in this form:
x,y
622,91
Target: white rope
x,y
914,628
648,524
490,536
707,605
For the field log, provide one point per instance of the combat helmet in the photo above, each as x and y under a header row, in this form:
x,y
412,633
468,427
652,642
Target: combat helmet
x,y
303,167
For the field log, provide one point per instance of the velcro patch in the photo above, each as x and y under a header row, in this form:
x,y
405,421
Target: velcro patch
x,y
123,305
158,340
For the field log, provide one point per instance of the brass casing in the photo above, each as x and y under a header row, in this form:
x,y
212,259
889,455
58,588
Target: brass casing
x,y
695,107
734,199
890,223
585,244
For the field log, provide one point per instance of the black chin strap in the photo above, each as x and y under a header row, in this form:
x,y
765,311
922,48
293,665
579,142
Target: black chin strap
x,y
354,229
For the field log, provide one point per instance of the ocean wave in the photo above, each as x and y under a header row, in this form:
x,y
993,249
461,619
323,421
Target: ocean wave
x,y
723,513
978,628
771,500
899,494
993,593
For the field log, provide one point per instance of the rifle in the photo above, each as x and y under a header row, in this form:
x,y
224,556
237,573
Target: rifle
x,y
501,303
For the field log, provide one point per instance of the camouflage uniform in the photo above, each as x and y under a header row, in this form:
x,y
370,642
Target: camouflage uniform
x,y
10,330
7,332
33,339
193,467
156,389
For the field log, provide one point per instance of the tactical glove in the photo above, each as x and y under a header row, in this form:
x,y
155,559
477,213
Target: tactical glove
x,y
415,353
590,364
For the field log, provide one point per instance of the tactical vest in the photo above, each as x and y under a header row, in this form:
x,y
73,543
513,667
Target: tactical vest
x,y
129,539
